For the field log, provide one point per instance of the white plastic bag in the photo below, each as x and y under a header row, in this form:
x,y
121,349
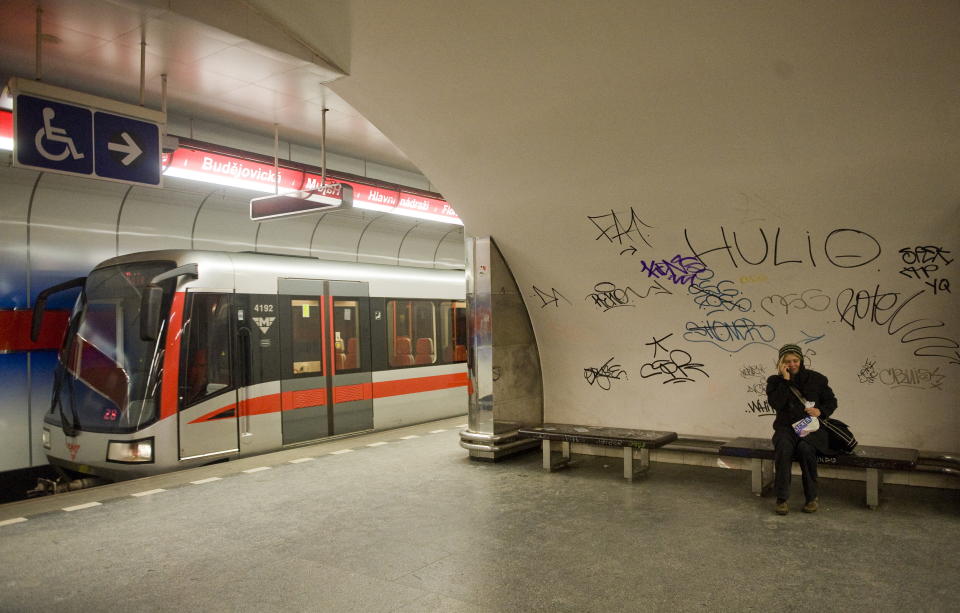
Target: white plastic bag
x,y
806,425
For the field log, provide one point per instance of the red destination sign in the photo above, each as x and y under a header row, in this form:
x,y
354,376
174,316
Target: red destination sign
x,y
258,176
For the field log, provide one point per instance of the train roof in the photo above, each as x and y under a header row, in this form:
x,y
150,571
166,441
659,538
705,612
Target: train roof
x,y
258,272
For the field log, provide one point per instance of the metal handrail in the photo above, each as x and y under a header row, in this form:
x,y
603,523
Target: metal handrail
x,y
947,458
480,436
497,448
938,469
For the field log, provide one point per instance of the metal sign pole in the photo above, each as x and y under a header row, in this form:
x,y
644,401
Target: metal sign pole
x,y
143,60
39,67
276,158
323,146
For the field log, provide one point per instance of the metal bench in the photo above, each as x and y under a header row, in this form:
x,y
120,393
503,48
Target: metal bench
x,y
873,459
628,439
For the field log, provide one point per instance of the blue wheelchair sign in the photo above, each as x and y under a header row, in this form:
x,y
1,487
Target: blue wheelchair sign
x,y
69,138
54,135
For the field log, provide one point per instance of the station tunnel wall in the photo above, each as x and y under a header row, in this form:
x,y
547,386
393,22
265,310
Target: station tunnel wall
x,y
56,227
794,133
671,320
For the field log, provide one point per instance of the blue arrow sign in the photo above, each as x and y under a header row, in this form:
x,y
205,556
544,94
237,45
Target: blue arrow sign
x,y
54,135
126,149
87,138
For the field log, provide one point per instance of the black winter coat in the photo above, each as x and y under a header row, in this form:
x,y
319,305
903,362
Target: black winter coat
x,y
815,388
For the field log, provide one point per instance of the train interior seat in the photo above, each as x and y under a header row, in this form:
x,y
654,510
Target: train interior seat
x,y
460,353
424,353
352,356
402,356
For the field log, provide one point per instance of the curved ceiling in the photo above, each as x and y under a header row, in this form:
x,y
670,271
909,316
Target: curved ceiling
x,y
227,62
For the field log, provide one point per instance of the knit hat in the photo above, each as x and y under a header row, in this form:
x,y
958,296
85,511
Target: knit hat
x,y
791,348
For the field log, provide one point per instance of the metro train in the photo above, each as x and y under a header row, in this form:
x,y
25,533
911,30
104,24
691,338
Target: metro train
x,y
179,358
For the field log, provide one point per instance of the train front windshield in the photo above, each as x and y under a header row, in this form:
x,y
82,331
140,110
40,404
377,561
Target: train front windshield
x,y
108,378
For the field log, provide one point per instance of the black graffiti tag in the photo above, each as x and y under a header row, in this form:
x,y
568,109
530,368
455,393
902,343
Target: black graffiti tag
x,y
551,298
884,309
676,365
604,375
607,295
843,247
613,228
808,299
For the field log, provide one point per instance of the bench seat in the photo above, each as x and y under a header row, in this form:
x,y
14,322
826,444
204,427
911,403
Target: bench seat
x,y
626,438
873,459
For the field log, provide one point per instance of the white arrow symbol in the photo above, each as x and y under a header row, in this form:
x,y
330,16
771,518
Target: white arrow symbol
x,y
131,149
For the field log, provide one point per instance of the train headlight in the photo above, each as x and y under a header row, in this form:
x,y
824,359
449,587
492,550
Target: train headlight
x,y
131,452
45,437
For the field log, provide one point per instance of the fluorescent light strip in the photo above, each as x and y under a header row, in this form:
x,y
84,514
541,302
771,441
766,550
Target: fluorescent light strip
x,y
371,206
262,188
6,144
195,175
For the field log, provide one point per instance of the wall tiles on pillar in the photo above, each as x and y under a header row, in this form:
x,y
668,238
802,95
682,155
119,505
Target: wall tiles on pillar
x,y
14,416
157,219
287,236
72,228
381,239
450,254
224,221
14,207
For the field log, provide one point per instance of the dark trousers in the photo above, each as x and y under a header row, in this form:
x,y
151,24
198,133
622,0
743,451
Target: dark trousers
x,y
788,447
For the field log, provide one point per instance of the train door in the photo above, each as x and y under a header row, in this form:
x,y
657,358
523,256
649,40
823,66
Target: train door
x,y
325,359
207,418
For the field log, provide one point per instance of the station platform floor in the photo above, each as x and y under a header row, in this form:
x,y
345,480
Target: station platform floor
x,y
404,521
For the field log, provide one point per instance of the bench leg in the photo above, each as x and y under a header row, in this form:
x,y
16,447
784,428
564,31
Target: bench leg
x,y
628,472
874,481
761,476
548,463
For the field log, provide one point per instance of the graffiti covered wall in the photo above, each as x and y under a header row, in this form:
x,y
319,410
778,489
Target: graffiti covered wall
x,y
678,318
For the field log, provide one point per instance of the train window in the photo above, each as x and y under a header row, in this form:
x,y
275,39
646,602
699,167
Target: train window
x,y
307,344
411,333
453,331
346,329
206,363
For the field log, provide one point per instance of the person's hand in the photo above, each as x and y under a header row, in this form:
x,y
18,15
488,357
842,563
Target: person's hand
x,y
813,412
783,371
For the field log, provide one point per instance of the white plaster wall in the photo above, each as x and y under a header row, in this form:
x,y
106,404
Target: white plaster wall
x,y
809,117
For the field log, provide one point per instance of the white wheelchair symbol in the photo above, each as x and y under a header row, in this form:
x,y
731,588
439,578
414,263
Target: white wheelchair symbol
x,y
55,135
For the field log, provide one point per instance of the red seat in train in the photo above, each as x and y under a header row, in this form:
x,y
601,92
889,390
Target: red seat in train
x,y
401,352
460,353
424,353
352,357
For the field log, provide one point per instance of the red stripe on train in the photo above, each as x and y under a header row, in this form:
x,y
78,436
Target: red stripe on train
x,y
171,358
383,389
351,393
287,401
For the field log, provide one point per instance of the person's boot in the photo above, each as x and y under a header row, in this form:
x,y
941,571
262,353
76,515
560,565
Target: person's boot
x,y
811,506
781,508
